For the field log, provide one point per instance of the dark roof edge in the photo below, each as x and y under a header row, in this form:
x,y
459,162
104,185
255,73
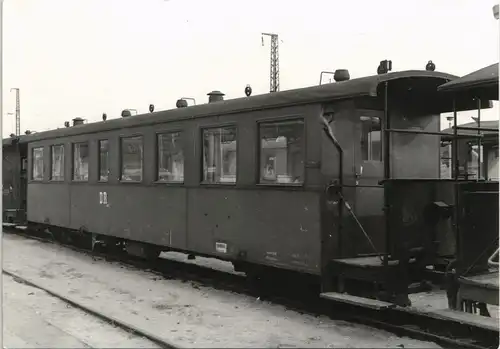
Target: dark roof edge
x,y
485,77
471,86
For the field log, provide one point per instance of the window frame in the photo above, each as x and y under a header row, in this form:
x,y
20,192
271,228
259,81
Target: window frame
x,y
472,164
448,159
32,178
277,120
121,138
202,129
73,148
379,116
157,156
99,180
51,179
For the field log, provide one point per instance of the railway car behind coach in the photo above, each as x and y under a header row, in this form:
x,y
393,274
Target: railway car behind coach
x,y
14,180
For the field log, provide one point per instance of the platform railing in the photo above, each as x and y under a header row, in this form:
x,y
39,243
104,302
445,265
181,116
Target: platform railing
x,y
387,130
387,176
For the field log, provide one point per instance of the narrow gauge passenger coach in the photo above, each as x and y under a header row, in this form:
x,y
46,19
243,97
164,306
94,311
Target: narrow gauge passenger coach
x,y
243,180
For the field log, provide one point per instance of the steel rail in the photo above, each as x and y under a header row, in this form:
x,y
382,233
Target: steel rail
x,y
92,311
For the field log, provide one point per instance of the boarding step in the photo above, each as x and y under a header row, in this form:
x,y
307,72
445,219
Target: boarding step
x,y
369,268
489,280
489,323
367,261
14,225
480,288
355,300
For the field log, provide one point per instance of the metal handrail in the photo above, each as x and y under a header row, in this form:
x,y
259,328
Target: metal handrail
x,y
488,129
491,263
422,132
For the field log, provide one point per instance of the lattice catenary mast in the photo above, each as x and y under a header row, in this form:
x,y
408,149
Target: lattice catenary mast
x,y
275,65
18,112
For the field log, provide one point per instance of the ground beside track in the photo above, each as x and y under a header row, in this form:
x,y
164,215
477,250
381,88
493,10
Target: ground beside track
x,y
35,319
184,313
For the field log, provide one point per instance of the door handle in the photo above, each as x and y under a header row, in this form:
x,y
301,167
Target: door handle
x,y
360,173
357,175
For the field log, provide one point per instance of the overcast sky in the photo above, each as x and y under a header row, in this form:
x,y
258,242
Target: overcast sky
x,y
84,57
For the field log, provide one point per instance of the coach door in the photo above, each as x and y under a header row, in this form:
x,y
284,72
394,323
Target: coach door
x,y
368,171
23,190
337,241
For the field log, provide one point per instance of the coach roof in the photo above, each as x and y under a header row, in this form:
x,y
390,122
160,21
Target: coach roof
x,y
13,140
365,86
485,77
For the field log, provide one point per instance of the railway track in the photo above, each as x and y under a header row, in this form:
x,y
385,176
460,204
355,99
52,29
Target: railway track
x,y
303,299
162,343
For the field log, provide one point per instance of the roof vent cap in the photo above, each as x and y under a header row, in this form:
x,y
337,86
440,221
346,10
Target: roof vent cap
x,y
77,121
181,103
341,75
215,96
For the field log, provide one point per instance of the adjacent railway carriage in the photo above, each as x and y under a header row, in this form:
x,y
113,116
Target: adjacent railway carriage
x,y
474,280
14,175
290,180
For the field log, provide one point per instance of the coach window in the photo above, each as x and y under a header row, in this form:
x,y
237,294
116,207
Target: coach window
x,y
103,160
371,145
219,155
80,162
37,160
57,165
282,152
131,159
475,154
170,158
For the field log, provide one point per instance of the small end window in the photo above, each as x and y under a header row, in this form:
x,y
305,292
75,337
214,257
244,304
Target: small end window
x,y
371,145
81,162
170,158
37,160
132,159
103,160
219,155
57,163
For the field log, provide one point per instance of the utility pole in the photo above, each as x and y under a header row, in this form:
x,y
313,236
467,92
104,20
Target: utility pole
x,y
18,112
275,64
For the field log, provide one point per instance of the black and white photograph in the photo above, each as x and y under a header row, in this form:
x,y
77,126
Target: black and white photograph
x,y
250,174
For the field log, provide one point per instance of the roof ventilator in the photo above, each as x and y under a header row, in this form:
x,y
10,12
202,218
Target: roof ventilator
x,y
215,96
181,103
126,113
341,75
77,121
